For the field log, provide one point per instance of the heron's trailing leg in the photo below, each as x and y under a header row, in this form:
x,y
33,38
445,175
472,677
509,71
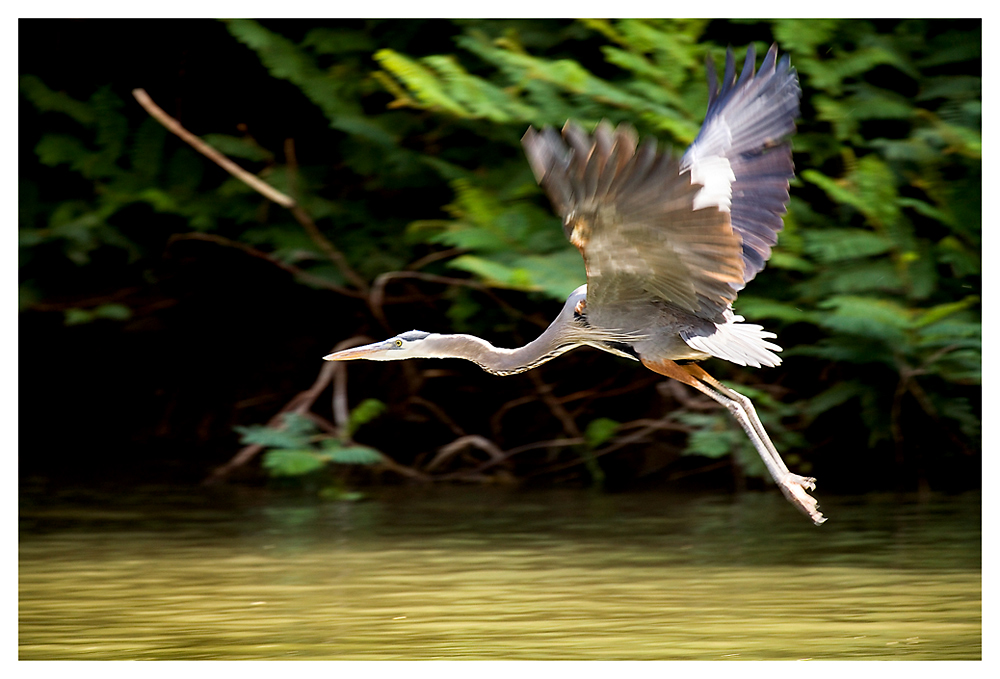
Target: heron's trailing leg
x,y
792,485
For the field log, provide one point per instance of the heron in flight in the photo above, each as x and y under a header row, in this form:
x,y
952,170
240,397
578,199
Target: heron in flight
x,y
668,243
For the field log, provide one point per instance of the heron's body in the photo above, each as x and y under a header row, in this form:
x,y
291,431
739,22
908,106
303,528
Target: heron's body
x,y
668,244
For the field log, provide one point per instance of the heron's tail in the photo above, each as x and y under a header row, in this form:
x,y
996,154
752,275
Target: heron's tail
x,y
737,342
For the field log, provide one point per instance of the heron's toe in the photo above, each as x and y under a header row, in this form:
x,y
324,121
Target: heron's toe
x,y
794,487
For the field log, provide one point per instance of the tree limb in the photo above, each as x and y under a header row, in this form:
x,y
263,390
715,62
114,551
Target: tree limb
x,y
254,182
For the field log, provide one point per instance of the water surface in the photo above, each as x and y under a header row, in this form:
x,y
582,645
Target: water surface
x,y
488,574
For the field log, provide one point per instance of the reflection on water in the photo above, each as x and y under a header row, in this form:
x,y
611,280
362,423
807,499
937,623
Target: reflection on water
x,y
453,573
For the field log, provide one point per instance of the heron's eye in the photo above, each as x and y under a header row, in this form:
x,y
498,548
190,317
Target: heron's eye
x,y
399,343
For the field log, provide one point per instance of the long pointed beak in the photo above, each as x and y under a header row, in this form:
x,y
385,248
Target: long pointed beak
x,y
355,353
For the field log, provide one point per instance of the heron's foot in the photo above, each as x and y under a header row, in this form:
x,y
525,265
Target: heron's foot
x,y
794,487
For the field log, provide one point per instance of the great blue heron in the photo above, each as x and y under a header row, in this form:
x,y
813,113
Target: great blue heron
x,y
668,243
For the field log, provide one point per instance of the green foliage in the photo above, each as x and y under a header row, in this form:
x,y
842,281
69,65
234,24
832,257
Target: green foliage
x,y
117,312
335,451
290,462
876,264
298,448
600,431
876,276
365,412
716,434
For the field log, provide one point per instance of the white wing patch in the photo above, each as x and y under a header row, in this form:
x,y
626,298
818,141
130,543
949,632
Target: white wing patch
x,y
714,173
737,342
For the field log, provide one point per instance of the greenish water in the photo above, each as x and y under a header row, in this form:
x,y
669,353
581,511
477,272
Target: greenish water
x,y
473,573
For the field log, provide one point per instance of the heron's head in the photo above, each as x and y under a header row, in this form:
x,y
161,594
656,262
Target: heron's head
x,y
402,346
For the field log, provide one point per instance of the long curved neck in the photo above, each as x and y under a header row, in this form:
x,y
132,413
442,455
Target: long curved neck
x,y
499,361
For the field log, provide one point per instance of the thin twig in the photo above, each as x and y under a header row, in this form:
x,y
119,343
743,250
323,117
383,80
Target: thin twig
x,y
458,444
254,182
497,417
304,276
662,423
545,391
435,257
685,396
341,413
201,147
555,443
403,470
335,255
323,423
292,163
589,394
303,218
439,413
376,297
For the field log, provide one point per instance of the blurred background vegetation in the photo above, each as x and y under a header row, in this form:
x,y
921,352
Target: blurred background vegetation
x,y
169,312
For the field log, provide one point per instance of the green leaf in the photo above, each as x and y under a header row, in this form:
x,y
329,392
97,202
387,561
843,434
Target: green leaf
x,y
57,149
804,35
270,437
494,273
942,311
291,462
830,398
757,308
338,41
712,436
927,210
835,245
285,60
600,431
77,316
870,188
365,412
335,451
335,494
430,91
879,319
117,312
961,411
297,424
46,100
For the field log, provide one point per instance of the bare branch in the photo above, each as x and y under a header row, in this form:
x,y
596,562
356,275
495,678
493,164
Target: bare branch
x,y
254,182
662,423
403,470
201,147
434,257
323,423
497,417
685,396
555,443
438,412
335,255
303,276
376,297
545,391
458,444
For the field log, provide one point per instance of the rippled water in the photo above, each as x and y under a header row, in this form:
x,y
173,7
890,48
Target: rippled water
x,y
458,573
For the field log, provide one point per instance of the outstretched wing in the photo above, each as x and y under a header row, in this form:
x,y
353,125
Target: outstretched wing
x,y
741,152
692,232
632,214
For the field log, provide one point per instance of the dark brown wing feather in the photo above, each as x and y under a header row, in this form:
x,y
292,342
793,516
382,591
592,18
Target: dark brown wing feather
x,y
631,213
